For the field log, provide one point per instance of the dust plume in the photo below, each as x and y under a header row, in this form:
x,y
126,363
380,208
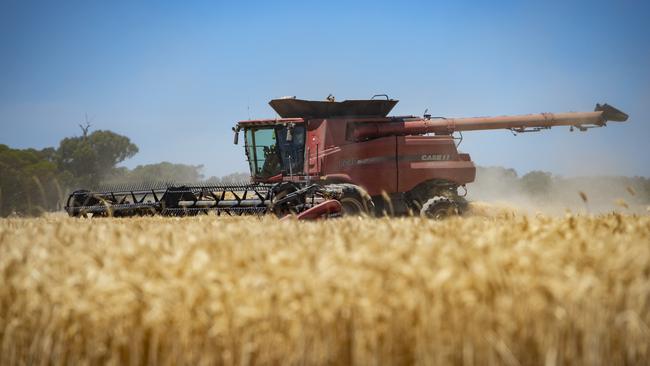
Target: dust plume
x,y
497,189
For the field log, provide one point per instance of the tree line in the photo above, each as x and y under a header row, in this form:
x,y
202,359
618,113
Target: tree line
x,y
34,181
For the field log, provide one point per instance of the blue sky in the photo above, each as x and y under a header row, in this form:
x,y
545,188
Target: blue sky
x,y
175,76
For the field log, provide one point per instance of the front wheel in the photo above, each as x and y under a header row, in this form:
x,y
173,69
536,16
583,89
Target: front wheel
x,y
439,208
280,192
81,198
355,201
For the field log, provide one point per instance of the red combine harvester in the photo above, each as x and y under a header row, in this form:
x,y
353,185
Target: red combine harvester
x,y
324,158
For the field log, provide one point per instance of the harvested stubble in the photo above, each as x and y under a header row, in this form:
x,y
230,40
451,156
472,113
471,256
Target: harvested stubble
x,y
499,290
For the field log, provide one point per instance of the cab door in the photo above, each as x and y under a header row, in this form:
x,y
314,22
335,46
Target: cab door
x,y
291,147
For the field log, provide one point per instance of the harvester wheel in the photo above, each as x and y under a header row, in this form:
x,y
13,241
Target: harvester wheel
x,y
280,191
81,198
355,201
439,208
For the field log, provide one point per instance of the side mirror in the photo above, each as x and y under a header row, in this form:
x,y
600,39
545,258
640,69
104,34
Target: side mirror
x,y
236,137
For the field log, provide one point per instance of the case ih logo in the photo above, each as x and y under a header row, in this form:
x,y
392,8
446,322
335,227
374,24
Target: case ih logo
x,y
384,159
434,157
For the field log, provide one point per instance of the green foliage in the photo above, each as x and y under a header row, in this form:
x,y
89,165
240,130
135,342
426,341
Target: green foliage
x,y
30,181
93,157
33,181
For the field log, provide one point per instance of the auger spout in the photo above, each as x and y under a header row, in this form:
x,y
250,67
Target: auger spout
x,y
520,123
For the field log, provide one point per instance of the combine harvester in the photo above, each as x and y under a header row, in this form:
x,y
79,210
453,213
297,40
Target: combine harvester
x,y
327,158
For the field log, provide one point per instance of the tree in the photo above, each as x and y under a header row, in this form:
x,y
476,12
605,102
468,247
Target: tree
x,y
93,156
30,182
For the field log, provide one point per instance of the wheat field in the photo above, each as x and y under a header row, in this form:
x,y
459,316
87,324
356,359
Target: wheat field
x,y
492,289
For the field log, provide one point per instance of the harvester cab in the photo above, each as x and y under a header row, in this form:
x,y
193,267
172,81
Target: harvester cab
x,y
274,149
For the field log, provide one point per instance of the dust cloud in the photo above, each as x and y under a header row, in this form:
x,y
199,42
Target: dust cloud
x,y
499,191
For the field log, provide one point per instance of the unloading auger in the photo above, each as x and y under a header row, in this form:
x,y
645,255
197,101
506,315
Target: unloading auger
x,y
327,158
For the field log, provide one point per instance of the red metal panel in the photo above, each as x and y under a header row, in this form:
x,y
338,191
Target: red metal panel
x,y
316,130
422,158
370,164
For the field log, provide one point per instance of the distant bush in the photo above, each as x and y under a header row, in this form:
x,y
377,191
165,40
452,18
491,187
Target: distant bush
x,y
537,183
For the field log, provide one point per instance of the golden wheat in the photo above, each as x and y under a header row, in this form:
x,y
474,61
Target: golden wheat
x,y
488,289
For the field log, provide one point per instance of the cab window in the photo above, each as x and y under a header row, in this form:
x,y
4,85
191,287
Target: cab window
x,y
292,151
261,148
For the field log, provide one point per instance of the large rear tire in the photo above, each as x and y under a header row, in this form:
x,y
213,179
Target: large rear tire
x,y
439,208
